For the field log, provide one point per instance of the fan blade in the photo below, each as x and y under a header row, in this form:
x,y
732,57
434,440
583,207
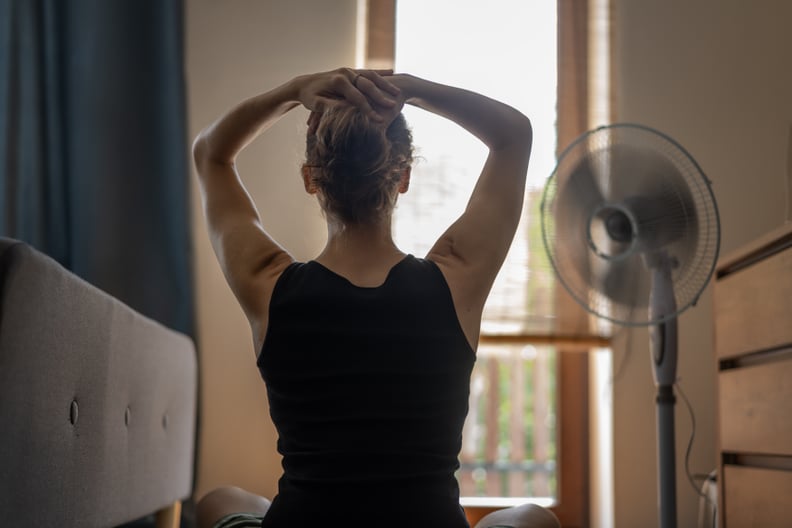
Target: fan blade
x,y
626,283
581,191
576,197
652,187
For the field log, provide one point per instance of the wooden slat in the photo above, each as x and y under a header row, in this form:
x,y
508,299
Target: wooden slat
x,y
517,426
573,480
542,440
572,342
491,420
757,497
753,307
755,409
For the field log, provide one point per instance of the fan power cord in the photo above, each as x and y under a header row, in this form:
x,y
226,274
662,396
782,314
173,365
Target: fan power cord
x,y
690,476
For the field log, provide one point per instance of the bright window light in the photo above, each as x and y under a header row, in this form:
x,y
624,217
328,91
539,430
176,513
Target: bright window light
x,y
505,49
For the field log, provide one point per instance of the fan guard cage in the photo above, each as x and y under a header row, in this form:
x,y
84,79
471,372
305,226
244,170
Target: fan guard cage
x,y
614,164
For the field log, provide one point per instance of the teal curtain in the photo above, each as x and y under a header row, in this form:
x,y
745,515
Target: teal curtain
x,y
93,147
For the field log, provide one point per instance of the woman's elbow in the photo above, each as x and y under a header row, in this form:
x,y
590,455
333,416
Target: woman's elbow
x,y
200,150
523,130
517,135
205,152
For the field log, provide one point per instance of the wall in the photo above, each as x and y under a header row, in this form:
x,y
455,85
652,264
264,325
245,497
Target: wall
x,y
716,76
236,49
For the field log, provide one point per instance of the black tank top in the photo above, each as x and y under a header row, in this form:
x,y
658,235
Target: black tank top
x,y
368,389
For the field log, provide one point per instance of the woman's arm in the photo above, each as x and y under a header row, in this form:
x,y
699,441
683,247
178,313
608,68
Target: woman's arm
x,y
250,259
472,250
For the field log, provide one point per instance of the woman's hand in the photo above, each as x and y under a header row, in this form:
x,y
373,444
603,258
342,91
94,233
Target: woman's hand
x,y
402,83
365,89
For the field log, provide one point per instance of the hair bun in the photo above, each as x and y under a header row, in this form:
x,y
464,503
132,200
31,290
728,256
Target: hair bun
x,y
359,163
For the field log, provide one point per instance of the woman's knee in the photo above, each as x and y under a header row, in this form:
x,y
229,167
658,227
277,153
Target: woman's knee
x,y
524,516
227,500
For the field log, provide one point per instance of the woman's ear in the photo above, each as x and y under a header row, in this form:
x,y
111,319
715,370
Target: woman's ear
x,y
308,180
404,182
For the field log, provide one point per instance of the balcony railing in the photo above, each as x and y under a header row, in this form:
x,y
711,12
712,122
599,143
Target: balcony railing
x,y
509,440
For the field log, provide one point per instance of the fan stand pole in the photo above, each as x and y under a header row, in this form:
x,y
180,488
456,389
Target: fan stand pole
x,y
664,365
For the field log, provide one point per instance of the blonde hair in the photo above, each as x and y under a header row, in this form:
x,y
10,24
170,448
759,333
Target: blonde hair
x,y
358,164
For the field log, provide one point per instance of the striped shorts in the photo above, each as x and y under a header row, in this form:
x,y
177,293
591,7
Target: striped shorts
x,y
240,520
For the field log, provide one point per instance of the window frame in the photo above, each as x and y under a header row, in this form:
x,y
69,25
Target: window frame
x,y
573,499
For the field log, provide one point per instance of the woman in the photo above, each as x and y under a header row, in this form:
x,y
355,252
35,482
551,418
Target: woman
x,y
366,351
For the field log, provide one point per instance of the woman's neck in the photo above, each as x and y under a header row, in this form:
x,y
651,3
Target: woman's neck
x,y
360,246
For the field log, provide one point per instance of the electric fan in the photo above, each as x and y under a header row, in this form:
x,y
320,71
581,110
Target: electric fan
x,y
631,228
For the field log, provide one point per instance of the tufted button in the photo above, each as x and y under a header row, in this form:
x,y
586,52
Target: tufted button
x,y
165,421
74,412
127,416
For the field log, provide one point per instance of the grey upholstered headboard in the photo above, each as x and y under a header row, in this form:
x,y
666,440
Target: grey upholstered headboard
x,y
97,402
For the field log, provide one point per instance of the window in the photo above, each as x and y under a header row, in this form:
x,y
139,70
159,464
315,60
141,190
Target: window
x,y
527,429
506,52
